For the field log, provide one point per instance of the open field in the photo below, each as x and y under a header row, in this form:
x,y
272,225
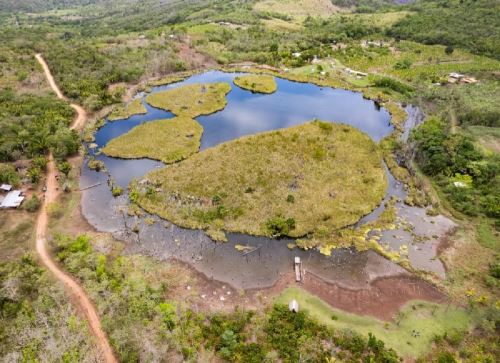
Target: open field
x,y
122,112
288,182
298,9
165,140
256,83
487,137
410,334
192,100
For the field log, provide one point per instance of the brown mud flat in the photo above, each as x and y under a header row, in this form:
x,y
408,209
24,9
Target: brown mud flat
x,y
382,299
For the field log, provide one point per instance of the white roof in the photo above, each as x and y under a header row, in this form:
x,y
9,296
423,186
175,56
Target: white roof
x,y
6,187
297,259
12,200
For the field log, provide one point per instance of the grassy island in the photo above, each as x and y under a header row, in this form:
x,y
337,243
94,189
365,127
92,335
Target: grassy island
x,y
257,83
133,108
309,179
192,100
168,140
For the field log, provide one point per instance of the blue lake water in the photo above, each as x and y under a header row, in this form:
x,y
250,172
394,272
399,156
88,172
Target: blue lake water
x,y
248,113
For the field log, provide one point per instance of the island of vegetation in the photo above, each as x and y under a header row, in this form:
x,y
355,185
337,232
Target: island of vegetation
x,y
309,179
123,112
257,83
192,100
168,140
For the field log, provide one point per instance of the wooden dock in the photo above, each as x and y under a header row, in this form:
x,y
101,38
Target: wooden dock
x,y
298,269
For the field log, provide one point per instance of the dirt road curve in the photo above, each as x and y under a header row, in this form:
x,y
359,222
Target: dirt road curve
x,y
75,290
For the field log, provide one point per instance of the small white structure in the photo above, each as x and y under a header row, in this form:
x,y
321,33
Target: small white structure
x,y
459,184
6,187
298,269
12,200
293,306
296,54
356,73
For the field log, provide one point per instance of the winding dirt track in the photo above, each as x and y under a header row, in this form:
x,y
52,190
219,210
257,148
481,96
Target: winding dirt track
x,y
84,304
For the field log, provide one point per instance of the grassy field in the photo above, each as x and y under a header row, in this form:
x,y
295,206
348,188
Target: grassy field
x,y
133,108
165,140
292,182
298,9
425,318
192,100
257,83
487,137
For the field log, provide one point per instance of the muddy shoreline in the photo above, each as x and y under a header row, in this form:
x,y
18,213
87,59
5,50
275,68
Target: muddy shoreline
x,y
357,281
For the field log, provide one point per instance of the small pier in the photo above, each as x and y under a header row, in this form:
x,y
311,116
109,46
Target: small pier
x,y
298,269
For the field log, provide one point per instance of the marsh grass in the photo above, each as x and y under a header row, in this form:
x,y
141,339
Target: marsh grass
x,y
257,83
428,319
334,173
123,112
165,140
192,100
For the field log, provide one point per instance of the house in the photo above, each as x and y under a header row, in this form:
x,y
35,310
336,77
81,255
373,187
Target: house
x,y
5,187
296,54
12,200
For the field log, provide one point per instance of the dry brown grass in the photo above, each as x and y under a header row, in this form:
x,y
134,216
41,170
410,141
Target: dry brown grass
x,y
324,176
165,140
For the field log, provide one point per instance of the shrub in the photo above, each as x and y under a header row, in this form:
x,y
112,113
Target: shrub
x,y
290,198
116,191
9,175
32,204
64,167
279,226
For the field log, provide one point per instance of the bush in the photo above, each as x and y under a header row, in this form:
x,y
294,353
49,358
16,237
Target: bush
x,y
32,204
116,191
279,226
9,175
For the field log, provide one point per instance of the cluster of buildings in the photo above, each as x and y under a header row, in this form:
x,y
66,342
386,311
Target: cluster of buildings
x,y
10,198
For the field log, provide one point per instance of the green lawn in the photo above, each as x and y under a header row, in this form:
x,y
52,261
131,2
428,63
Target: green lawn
x,y
425,318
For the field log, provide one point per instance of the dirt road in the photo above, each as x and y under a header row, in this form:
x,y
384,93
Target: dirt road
x,y
74,289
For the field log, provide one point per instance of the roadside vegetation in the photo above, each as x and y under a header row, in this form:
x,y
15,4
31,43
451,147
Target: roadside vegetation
x,y
37,323
165,140
123,112
134,293
290,182
192,100
256,83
